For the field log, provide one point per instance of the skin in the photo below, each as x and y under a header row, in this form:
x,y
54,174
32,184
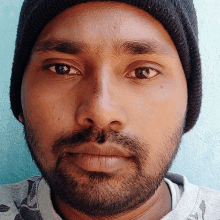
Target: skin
x,y
137,92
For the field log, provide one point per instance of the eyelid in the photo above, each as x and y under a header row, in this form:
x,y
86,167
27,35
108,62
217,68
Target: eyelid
x,y
143,64
146,78
53,62
70,72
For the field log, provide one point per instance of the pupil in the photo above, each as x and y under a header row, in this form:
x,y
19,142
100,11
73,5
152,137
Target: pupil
x,y
62,69
139,73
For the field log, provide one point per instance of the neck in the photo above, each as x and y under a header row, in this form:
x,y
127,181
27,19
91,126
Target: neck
x,y
155,208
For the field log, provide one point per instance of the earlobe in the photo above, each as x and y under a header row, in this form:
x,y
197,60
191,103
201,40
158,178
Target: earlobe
x,y
20,118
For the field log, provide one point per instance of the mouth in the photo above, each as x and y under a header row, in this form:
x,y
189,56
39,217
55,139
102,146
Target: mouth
x,y
99,157
99,163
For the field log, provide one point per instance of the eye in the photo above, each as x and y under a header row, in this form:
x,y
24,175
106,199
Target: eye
x,y
143,73
63,69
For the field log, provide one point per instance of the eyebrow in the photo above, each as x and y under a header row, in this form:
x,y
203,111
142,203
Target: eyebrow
x,y
72,47
143,47
62,46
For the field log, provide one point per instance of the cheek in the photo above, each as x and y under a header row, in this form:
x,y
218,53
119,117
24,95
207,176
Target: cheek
x,y
159,111
47,110
159,119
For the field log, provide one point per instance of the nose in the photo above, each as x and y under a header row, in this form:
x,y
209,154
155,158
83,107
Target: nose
x,y
100,105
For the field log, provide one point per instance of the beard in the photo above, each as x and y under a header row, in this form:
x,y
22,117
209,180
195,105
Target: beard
x,y
104,194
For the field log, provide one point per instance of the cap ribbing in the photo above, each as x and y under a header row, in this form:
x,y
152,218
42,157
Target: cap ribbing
x,y
177,16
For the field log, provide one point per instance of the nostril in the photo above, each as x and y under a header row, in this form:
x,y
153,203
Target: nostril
x,y
89,120
114,122
116,125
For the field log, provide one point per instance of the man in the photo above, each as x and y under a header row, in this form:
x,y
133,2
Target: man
x,y
105,91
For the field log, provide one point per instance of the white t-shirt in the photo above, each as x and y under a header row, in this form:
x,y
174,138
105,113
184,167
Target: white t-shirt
x,y
30,200
176,192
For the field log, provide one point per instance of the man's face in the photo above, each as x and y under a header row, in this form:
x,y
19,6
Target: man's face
x,y
104,98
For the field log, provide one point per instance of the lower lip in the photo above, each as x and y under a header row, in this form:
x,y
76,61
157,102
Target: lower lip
x,y
97,163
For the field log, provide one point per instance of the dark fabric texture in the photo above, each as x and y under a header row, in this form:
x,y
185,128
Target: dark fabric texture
x,y
177,16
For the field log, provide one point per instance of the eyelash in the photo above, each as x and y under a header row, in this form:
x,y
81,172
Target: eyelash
x,y
144,69
54,68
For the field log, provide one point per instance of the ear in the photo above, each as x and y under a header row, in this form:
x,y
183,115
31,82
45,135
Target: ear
x,y
20,118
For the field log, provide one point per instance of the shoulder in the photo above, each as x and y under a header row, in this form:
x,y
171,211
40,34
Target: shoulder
x,y
196,202
207,205
13,195
200,192
210,199
18,191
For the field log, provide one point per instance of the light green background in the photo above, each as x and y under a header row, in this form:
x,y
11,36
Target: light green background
x,y
199,157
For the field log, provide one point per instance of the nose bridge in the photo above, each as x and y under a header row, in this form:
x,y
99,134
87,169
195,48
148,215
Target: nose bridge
x,y
103,92
100,105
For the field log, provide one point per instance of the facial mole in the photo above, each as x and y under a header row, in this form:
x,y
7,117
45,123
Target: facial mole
x,y
161,86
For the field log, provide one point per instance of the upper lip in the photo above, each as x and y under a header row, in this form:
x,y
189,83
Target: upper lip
x,y
106,149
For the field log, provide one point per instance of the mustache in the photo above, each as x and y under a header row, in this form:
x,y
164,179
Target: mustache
x,y
92,134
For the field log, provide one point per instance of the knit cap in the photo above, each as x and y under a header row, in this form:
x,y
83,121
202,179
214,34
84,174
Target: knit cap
x,y
177,16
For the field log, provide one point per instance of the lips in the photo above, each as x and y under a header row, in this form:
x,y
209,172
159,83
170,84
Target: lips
x,y
99,157
101,150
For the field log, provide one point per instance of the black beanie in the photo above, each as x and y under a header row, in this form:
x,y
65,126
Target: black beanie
x,y
177,16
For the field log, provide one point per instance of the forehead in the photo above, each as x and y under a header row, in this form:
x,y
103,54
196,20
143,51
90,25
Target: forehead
x,y
103,24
